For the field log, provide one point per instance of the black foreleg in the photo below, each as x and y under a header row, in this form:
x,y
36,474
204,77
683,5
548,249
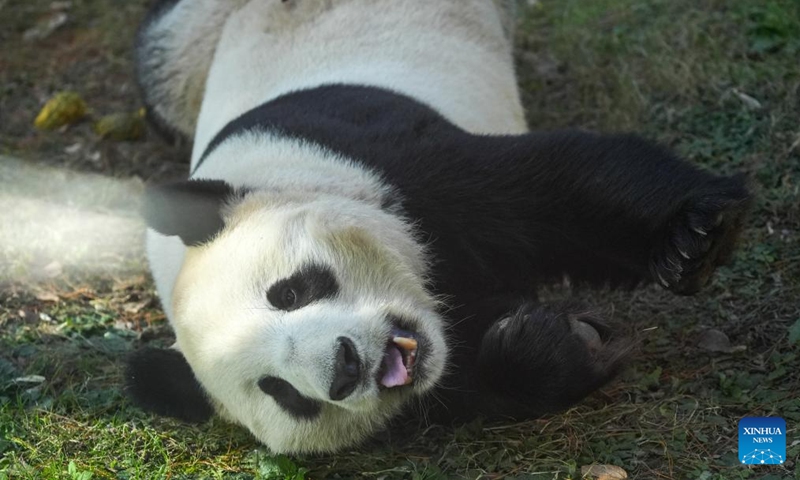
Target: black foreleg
x,y
512,211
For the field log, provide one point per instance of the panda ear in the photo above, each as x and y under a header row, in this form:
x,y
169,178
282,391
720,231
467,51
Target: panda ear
x,y
190,209
160,381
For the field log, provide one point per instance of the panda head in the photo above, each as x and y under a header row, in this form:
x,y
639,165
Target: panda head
x,y
305,318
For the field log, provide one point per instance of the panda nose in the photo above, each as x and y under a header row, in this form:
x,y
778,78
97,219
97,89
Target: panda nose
x,y
346,369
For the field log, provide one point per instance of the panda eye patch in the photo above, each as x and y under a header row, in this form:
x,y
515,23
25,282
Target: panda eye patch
x,y
310,283
289,398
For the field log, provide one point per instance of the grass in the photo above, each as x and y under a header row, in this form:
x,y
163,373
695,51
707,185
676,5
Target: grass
x,y
718,80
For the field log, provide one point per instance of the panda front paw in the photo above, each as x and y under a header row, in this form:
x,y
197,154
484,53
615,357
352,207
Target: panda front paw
x,y
548,357
698,239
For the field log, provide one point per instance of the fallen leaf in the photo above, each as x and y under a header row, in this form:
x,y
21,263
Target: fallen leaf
x,y
603,472
749,101
47,297
74,148
32,379
45,27
120,126
60,5
134,307
794,332
63,109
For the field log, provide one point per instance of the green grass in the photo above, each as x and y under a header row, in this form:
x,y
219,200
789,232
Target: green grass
x,y
718,80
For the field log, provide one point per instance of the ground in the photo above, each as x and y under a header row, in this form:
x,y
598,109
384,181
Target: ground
x,y
718,80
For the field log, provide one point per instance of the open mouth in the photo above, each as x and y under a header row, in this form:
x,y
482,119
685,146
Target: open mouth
x,y
399,358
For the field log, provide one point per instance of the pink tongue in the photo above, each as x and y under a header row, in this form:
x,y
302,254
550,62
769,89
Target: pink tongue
x,y
396,373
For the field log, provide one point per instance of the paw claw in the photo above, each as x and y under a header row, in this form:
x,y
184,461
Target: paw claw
x,y
675,265
698,239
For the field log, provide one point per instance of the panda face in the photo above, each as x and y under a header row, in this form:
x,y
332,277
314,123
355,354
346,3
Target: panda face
x,y
309,322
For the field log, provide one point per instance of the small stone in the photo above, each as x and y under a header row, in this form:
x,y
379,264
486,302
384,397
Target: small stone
x,y
714,340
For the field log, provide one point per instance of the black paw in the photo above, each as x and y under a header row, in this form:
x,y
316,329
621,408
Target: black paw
x,y
698,239
548,357
161,381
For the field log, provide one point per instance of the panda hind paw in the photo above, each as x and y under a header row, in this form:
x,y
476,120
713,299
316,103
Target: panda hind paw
x,y
548,357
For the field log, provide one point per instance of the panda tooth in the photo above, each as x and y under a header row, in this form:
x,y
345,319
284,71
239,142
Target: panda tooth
x,y
408,344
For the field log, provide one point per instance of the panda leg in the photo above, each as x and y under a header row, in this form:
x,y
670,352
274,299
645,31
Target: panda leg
x,y
534,360
161,381
602,209
175,45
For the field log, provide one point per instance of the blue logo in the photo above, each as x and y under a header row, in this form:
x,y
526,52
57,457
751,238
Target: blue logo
x,y
762,440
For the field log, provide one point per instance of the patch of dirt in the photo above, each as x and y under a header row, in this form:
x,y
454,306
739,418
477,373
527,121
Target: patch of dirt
x,y
90,53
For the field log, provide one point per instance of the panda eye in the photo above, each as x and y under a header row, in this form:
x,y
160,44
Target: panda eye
x,y
285,295
288,298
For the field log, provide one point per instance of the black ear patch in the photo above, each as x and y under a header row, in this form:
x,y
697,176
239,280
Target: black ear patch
x,y
161,381
190,209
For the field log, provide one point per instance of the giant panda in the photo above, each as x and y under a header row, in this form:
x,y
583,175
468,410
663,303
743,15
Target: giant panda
x,y
367,219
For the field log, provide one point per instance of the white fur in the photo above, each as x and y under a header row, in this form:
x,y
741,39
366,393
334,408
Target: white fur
x,y
449,54
176,52
311,204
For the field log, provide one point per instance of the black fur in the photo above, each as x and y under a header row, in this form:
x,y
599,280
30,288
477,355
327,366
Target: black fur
x,y
289,398
161,381
189,209
309,284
